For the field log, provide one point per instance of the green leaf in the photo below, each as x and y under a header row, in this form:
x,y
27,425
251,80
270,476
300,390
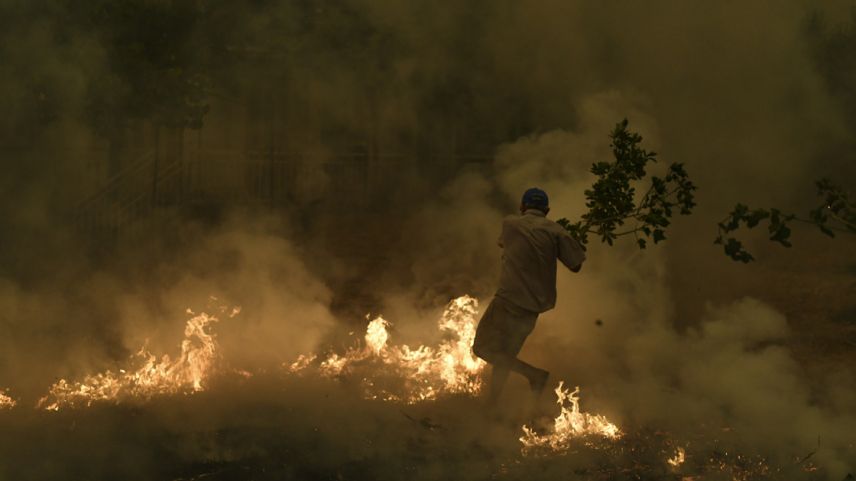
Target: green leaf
x,y
735,250
613,199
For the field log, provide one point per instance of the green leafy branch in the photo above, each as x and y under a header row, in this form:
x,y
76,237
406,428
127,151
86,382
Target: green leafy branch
x,y
836,213
612,199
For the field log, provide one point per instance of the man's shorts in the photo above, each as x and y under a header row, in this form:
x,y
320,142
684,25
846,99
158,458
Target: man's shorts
x,y
502,330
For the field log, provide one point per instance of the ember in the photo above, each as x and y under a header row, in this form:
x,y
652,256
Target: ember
x,y
6,402
678,459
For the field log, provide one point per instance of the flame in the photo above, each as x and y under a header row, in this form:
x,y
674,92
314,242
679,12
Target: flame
x,y
302,362
154,376
569,424
678,459
377,335
6,402
335,364
424,372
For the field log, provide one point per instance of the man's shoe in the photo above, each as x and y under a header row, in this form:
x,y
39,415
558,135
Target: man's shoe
x,y
538,382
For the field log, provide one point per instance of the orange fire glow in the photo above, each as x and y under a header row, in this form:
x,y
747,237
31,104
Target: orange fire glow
x,y
570,424
152,376
678,459
424,372
6,401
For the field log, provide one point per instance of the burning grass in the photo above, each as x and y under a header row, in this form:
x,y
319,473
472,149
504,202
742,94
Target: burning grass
x,y
377,411
570,425
410,374
282,427
148,376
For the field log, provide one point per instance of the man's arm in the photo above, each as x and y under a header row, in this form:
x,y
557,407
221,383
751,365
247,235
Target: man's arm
x,y
570,252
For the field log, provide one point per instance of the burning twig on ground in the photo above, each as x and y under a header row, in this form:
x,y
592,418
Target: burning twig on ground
x,y
425,422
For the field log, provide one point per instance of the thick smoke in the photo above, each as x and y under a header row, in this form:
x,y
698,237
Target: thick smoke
x,y
616,333
733,91
100,321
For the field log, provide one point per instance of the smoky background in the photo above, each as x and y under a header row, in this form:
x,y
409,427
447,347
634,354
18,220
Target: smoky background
x,y
312,161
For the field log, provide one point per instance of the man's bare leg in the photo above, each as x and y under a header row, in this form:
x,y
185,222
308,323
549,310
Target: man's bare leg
x,y
502,365
498,378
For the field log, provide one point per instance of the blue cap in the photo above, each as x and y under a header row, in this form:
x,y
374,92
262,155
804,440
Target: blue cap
x,y
535,197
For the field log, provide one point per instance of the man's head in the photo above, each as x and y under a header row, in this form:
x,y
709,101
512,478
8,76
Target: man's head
x,y
535,198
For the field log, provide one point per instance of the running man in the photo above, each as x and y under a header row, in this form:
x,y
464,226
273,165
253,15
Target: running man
x,y
531,244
